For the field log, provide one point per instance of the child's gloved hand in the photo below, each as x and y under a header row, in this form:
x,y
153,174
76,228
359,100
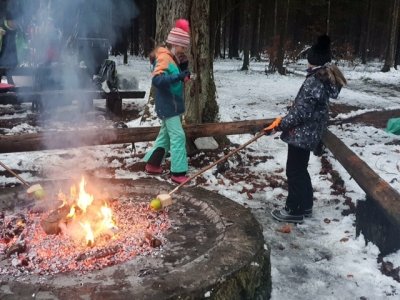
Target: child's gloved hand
x,y
273,126
183,75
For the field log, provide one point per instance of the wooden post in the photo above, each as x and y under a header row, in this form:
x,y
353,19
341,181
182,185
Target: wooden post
x,y
114,104
375,226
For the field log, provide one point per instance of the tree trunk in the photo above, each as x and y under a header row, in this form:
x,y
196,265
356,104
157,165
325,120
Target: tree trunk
x,y
264,33
201,105
275,31
282,41
224,19
255,43
215,28
149,12
328,18
200,98
397,51
365,33
390,54
135,37
246,35
234,30
168,11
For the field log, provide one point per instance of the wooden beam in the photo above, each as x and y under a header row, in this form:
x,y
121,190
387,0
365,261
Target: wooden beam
x,y
386,197
71,139
25,96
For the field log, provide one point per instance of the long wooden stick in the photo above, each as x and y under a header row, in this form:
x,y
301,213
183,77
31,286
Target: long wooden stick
x,y
256,137
15,174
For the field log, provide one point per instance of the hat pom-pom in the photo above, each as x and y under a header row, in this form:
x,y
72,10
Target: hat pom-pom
x,y
182,24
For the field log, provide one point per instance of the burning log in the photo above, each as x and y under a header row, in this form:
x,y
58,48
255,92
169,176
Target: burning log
x,y
71,139
17,247
51,223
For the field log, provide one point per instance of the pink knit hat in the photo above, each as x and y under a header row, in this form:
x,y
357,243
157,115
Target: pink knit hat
x,y
179,35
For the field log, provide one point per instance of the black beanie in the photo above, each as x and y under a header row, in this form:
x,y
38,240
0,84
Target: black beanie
x,y
320,53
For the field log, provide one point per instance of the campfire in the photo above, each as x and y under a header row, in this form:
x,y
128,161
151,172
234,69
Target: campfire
x,y
81,217
82,232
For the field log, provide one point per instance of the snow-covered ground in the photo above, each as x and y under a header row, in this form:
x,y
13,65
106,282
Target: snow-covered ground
x,y
320,259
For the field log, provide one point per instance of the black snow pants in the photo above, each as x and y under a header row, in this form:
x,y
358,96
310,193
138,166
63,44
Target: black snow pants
x,y
300,194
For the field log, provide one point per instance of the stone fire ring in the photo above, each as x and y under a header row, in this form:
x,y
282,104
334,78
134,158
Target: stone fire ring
x,y
215,249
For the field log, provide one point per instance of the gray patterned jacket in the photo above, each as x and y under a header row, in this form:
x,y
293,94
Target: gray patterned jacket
x,y
307,119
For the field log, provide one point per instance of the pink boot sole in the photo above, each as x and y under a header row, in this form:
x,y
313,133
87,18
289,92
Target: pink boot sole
x,y
179,179
153,170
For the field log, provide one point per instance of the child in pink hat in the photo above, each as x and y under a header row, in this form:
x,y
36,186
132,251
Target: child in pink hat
x,y
169,74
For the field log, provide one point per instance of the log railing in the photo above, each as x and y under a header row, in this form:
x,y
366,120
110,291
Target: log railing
x,y
387,198
80,138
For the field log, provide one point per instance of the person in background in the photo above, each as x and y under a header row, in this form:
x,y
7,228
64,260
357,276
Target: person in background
x,y
169,74
8,46
302,128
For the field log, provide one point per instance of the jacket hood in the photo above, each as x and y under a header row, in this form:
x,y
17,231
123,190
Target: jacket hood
x,y
331,77
163,50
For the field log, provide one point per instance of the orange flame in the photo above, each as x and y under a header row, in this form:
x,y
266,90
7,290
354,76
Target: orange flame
x,y
108,221
84,199
95,221
88,233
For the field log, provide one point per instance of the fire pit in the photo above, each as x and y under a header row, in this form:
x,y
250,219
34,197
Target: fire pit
x,y
203,246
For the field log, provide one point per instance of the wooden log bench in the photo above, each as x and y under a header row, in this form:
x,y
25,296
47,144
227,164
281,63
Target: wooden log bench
x,y
44,99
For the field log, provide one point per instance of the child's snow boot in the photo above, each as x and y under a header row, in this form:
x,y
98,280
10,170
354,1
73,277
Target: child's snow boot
x,y
285,215
179,178
153,170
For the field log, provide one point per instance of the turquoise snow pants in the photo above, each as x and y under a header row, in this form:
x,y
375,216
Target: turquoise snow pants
x,y
172,138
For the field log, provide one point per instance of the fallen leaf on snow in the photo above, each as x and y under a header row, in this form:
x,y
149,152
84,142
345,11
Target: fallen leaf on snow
x,y
285,229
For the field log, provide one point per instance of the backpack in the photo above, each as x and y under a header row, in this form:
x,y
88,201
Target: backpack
x,y
107,75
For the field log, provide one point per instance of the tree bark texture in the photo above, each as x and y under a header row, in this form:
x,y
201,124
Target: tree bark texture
x,y
201,104
234,29
168,11
390,54
282,37
246,35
